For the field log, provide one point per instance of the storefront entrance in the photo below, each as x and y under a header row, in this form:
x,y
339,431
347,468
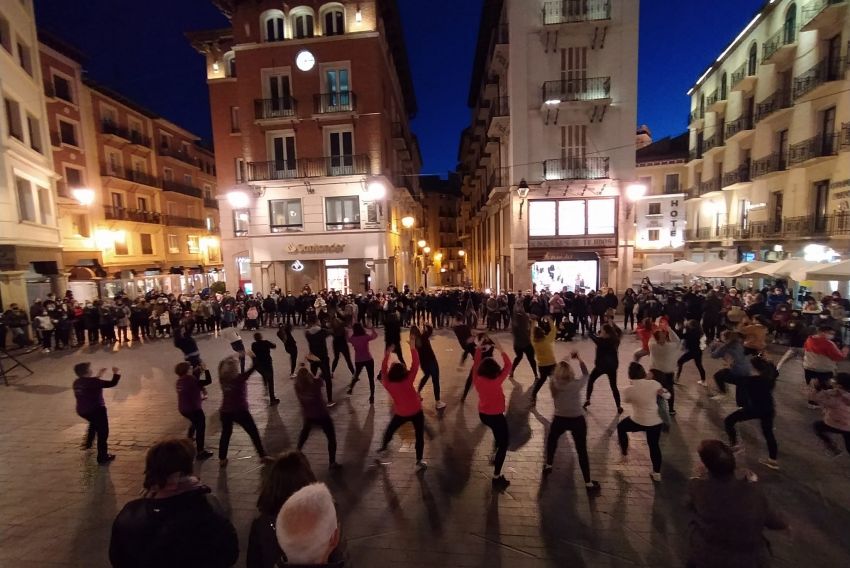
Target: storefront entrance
x,y
337,275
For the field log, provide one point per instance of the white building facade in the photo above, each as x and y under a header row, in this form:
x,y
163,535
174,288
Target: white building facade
x,y
769,169
551,145
29,235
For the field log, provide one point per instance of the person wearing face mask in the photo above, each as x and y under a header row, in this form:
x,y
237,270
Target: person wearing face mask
x,y
820,354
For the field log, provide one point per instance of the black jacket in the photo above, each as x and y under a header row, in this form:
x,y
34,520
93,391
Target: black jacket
x,y
184,531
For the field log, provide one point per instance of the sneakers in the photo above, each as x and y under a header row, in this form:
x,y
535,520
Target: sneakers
x,y
702,384
440,405
500,482
205,455
331,404
371,400
274,402
547,468
45,350
421,465
718,396
592,486
109,458
772,464
655,476
292,376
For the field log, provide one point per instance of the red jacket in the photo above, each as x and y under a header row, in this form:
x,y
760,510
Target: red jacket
x,y
820,354
491,397
406,400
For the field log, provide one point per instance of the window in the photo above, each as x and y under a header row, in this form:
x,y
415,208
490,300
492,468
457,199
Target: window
x,y
209,223
790,28
342,213
214,253
241,220
187,179
821,191
282,147
571,217
273,24
239,169
13,119
193,244
171,209
113,163
68,133
234,119
26,203
109,115
146,243
671,183
117,200
167,174
164,141
73,177
34,128
341,152
279,94
230,64
752,59
724,87
173,246
142,203
80,226
5,35
337,91
653,235
24,57
544,215
334,22
208,191
654,209
62,88
185,147
285,215
121,248
302,25
45,208
191,211
372,213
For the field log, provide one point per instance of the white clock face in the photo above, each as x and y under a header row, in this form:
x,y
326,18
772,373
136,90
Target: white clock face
x,y
305,60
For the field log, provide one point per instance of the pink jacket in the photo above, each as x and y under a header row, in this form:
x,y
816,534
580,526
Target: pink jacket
x,y
836,407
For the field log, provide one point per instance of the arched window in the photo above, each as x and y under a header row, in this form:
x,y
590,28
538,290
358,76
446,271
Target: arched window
x,y
752,60
790,29
723,89
272,23
702,105
334,20
302,22
230,64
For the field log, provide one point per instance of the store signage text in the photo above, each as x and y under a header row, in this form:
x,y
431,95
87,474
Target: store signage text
x,y
674,216
307,249
574,242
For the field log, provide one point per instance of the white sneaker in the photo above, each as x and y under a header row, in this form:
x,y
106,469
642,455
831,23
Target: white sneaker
x,y
421,465
702,384
331,404
655,476
772,464
45,350
440,405
718,396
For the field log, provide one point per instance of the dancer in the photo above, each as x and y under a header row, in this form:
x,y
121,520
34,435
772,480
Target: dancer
x,y
543,341
231,335
663,356
88,391
190,403
488,377
644,331
407,407
643,395
483,341
464,337
521,331
819,358
339,344
187,344
317,346
569,417
392,334
835,403
606,362
360,340
234,408
731,349
758,405
692,339
314,409
284,333
261,348
428,361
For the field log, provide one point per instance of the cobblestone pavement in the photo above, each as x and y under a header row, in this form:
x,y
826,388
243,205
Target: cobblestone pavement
x,y
57,504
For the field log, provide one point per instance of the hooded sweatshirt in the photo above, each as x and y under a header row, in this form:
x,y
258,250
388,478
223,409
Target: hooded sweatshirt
x,y
317,340
820,354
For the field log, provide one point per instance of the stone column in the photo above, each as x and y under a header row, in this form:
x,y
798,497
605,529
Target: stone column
x,y
13,289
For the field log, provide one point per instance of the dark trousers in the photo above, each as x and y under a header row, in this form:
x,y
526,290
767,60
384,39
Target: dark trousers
x,y
545,372
653,439
342,349
397,421
327,426
629,316
709,328
267,373
725,377
47,338
612,380
821,377
822,429
293,360
198,428
527,351
498,424
696,357
431,370
79,333
323,365
98,425
94,335
468,350
246,421
577,427
766,419
666,380
370,372
395,347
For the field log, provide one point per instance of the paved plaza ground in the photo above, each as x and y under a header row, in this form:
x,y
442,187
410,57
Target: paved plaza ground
x,y
57,504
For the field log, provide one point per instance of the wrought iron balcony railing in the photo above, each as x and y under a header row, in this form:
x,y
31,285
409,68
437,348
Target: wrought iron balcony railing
x,y
340,101
570,90
740,124
182,188
576,168
575,11
740,174
779,99
823,72
129,175
265,109
113,213
825,144
356,164
774,162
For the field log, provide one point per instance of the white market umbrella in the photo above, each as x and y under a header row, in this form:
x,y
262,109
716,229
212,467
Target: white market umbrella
x,y
783,268
703,267
732,270
673,267
838,271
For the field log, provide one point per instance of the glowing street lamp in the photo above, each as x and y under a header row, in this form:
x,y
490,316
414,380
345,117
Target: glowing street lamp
x,y
461,253
238,199
376,190
438,256
407,222
83,195
634,192
427,250
421,243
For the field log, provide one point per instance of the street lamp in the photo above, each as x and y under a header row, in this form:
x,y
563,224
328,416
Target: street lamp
x,y
407,222
238,199
633,192
461,253
421,243
522,191
426,250
376,190
83,195
438,256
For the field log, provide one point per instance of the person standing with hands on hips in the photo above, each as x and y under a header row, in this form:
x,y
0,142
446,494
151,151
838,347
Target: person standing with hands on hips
x,y
88,390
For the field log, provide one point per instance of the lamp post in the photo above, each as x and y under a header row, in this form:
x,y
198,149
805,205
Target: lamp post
x,y
522,191
634,192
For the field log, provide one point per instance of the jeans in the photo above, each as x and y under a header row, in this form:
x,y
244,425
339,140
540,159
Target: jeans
x,y
528,351
198,428
744,414
98,425
545,372
612,380
696,356
397,421
821,430
370,372
267,373
653,439
499,425
431,370
327,426
246,421
323,365
577,427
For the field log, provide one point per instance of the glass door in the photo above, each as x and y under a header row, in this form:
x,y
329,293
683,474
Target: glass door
x,y
341,153
283,156
280,95
338,90
827,129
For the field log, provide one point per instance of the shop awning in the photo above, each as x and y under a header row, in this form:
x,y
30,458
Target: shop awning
x,y
838,271
783,268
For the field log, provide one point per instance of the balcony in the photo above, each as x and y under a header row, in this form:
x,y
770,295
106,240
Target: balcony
x,y
741,174
139,216
820,146
780,99
779,48
309,167
132,136
576,12
772,163
695,115
701,234
576,168
595,90
210,203
844,137
708,186
742,124
742,79
129,175
716,101
824,72
177,221
330,103
500,48
822,14
271,110
745,232
499,121
178,155
837,224
182,188
713,141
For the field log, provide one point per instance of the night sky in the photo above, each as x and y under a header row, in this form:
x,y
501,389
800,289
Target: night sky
x,y
138,49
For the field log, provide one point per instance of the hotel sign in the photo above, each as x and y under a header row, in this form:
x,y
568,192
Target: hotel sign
x,y
334,248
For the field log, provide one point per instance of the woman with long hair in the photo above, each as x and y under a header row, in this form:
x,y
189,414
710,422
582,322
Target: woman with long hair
x,y
488,377
428,361
234,407
314,409
607,361
360,340
284,333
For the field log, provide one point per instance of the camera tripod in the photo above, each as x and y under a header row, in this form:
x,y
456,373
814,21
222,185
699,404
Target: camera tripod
x,y
5,370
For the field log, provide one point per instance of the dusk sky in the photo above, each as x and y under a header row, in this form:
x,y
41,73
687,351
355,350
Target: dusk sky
x,y
138,49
